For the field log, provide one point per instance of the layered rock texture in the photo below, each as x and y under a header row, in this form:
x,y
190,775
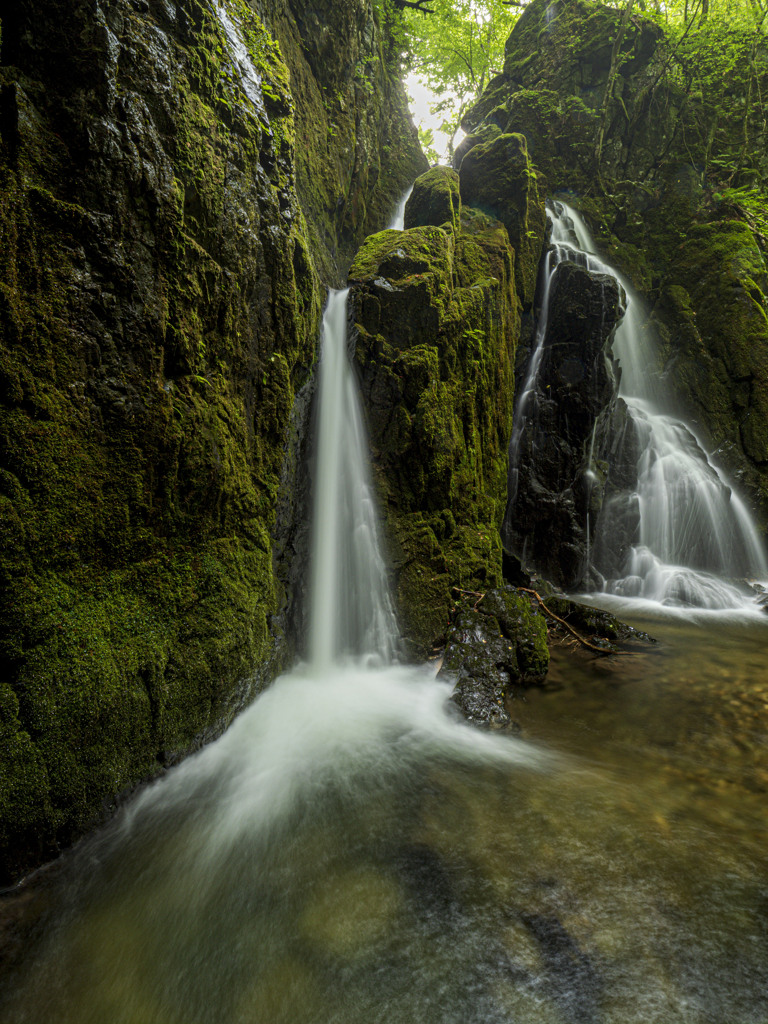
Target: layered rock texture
x,y
163,240
437,311
615,119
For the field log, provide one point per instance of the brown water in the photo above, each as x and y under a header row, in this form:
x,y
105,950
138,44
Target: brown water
x,y
412,872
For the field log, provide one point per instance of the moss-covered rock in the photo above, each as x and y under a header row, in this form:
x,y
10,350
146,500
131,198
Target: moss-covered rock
x,y
358,150
435,200
719,354
436,325
159,309
498,178
651,166
497,642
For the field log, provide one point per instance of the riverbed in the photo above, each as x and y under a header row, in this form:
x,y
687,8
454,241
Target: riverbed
x,y
351,852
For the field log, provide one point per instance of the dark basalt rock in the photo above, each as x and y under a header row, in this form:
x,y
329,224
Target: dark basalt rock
x,y
492,646
558,490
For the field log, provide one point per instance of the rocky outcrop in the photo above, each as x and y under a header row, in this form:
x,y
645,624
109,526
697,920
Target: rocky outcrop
x,y
621,124
561,469
160,241
437,322
497,177
496,645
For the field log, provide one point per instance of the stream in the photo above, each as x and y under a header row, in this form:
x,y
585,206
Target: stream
x,y
349,851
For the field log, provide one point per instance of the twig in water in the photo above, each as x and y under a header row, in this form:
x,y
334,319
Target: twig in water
x,y
571,630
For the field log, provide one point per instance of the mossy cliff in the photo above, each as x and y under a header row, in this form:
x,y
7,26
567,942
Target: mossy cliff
x,y
653,154
437,319
159,309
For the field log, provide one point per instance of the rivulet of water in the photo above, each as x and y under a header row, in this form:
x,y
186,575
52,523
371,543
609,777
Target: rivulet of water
x,y
695,534
351,609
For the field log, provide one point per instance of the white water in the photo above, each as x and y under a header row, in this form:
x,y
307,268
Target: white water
x,y
398,218
694,532
351,610
564,248
248,76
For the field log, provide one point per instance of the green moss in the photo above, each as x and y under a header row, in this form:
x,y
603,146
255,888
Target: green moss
x,y
497,177
435,200
153,332
437,321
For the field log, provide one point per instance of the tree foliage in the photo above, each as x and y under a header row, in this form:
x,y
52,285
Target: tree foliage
x,y
456,51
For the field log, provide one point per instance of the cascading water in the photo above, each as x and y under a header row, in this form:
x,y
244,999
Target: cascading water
x,y
398,218
694,531
237,887
564,246
349,852
351,608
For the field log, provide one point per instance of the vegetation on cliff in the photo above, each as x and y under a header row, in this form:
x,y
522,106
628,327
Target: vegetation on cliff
x,y
159,303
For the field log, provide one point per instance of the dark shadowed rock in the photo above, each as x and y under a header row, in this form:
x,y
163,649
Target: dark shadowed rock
x,y
558,490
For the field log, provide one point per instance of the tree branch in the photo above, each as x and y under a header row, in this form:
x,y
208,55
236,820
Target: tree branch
x,y
417,5
571,630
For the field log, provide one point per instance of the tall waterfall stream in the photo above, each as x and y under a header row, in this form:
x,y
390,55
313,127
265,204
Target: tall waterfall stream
x,y
349,851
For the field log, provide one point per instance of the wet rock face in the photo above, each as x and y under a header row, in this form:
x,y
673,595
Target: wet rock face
x,y
494,644
561,457
358,148
159,308
652,199
436,316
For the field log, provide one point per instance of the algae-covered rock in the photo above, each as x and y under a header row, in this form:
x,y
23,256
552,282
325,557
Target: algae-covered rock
x,y
159,310
498,178
652,166
358,149
435,200
718,352
436,324
495,643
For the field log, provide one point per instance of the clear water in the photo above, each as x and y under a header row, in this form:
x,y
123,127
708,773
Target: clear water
x,y
350,852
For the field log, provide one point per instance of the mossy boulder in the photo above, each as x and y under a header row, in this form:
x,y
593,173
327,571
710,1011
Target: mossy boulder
x,y
436,323
717,353
498,178
435,200
496,643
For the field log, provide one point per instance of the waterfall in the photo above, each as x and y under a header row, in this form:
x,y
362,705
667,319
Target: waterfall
x,y
398,218
694,531
564,246
351,609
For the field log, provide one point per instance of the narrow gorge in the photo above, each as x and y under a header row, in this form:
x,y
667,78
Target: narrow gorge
x,y
384,574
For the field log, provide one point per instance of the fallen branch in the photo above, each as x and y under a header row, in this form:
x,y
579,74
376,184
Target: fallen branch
x,y
472,593
571,630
